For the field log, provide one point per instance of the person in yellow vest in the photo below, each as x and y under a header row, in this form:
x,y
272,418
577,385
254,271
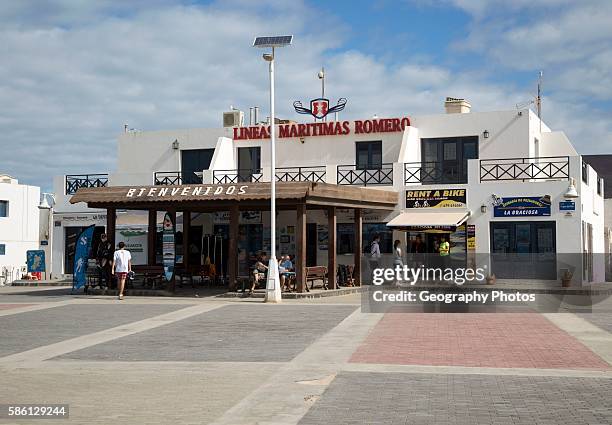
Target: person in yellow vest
x,y
444,251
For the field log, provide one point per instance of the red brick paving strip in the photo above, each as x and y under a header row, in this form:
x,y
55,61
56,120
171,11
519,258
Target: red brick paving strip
x,y
7,306
505,340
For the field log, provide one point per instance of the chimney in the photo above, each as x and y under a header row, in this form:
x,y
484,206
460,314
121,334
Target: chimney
x,y
456,106
255,115
251,122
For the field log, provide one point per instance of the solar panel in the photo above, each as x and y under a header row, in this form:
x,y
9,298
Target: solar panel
x,y
277,41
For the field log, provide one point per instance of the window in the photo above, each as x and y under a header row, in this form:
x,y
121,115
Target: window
x,y
599,186
4,208
2,249
249,163
194,161
368,155
345,237
585,172
523,249
444,160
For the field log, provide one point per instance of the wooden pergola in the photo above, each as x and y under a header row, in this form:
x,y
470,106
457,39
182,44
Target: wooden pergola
x,y
298,196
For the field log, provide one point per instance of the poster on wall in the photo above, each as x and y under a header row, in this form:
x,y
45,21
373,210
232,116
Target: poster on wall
x,y
344,215
534,206
436,198
322,237
135,239
471,237
36,261
245,217
168,248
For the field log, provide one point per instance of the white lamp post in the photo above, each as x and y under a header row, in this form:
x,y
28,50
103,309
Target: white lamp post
x,y
273,289
44,205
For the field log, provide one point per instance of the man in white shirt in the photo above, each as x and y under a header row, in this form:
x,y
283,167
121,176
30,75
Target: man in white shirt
x,y
122,265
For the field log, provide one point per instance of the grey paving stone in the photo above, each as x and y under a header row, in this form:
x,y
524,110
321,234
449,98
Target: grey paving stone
x,y
383,398
600,319
25,331
241,333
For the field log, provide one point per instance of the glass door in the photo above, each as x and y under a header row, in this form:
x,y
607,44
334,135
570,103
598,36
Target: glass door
x,y
249,163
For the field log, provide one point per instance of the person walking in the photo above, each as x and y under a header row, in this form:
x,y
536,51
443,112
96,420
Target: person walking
x,y
122,265
374,255
398,260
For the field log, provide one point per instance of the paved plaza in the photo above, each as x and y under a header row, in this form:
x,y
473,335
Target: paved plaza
x,y
240,361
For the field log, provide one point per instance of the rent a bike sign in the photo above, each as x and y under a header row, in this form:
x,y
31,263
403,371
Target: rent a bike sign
x,y
523,206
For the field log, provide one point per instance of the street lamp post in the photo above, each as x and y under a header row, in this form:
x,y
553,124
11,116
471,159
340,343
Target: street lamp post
x,y
273,289
44,205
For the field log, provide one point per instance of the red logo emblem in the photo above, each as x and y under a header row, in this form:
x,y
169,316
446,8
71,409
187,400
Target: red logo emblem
x,y
319,107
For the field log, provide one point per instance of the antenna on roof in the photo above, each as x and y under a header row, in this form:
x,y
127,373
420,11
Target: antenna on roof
x,y
537,101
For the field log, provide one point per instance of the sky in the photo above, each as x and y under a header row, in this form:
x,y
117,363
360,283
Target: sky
x,y
74,72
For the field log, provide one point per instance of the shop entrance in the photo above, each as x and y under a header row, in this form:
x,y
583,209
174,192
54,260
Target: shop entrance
x,y
427,241
524,249
70,238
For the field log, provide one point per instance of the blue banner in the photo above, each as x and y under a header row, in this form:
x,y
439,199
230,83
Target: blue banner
x,y
36,261
523,207
168,248
81,256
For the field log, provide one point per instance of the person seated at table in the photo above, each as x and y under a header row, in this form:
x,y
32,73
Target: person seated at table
x,y
259,271
285,266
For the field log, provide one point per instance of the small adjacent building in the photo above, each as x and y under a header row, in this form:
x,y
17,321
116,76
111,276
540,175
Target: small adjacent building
x,y
19,225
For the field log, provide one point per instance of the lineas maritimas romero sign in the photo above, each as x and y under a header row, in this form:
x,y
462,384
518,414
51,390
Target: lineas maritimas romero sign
x,y
333,128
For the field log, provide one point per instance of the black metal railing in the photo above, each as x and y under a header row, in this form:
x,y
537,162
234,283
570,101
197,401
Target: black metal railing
x,y
237,176
76,181
301,174
352,175
543,168
169,178
433,172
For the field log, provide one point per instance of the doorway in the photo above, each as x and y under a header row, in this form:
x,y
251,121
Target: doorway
x,y
249,163
194,161
524,249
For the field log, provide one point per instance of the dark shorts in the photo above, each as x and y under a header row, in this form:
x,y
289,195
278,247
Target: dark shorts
x,y
121,275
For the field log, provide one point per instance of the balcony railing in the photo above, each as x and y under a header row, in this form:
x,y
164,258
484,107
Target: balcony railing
x,y
168,178
237,176
76,181
522,169
433,173
301,174
351,175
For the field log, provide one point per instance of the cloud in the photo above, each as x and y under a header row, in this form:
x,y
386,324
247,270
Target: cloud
x,y
73,73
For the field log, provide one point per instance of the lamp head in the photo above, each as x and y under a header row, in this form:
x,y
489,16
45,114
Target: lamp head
x,y
268,57
571,190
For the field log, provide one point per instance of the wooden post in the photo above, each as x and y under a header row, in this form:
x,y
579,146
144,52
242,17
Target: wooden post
x,y
358,246
152,238
111,222
232,248
172,283
331,248
186,228
300,245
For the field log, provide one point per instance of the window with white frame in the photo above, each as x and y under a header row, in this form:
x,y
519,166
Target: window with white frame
x,y
4,206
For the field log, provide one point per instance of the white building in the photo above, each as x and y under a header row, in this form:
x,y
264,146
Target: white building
x,y
19,225
507,175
